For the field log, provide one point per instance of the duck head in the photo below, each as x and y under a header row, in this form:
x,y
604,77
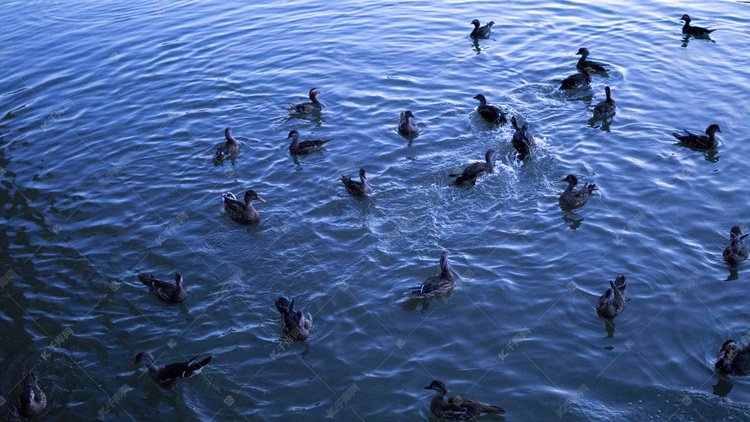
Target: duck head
x,y
713,129
293,135
437,386
514,122
250,196
144,357
685,18
588,71
228,132
608,92
728,346
475,22
482,100
408,114
444,261
362,173
314,93
583,52
490,153
736,233
571,178
178,279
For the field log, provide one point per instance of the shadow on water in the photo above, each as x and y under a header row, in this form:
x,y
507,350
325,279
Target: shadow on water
x,y
686,39
606,122
733,273
609,326
723,387
569,219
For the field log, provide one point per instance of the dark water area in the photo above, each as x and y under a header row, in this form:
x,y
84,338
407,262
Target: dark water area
x,y
111,113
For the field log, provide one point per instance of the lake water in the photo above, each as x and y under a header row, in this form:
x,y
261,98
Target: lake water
x,y
112,111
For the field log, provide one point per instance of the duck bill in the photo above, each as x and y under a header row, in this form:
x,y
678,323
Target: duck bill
x,y
260,199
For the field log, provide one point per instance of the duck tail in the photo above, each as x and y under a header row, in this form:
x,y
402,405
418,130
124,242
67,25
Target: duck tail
x,y
620,283
591,188
325,141
282,304
228,196
502,119
488,408
198,365
147,279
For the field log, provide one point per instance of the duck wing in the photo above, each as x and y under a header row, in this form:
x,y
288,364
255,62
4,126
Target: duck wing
x,y
573,81
595,66
461,409
305,147
352,186
232,205
174,371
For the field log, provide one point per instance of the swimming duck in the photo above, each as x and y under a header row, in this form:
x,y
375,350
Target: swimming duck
x,y
578,80
304,147
406,126
471,173
607,106
167,292
612,302
438,285
361,188
483,31
700,141
736,360
735,252
313,105
32,400
583,63
168,374
490,113
457,408
577,198
243,213
296,325
523,140
230,148
694,30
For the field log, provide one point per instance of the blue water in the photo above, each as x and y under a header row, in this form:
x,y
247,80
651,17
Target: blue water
x,y
112,111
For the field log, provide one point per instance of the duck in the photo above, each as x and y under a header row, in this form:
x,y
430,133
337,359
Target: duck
x,y
457,408
578,80
701,142
165,291
313,105
607,106
304,147
406,126
472,172
583,63
231,147
522,140
735,252
296,326
243,213
694,30
481,31
361,188
736,360
32,400
169,374
438,285
490,113
572,198
612,302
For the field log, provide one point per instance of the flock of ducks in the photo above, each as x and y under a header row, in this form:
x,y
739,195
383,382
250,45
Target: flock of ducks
x,y
297,326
